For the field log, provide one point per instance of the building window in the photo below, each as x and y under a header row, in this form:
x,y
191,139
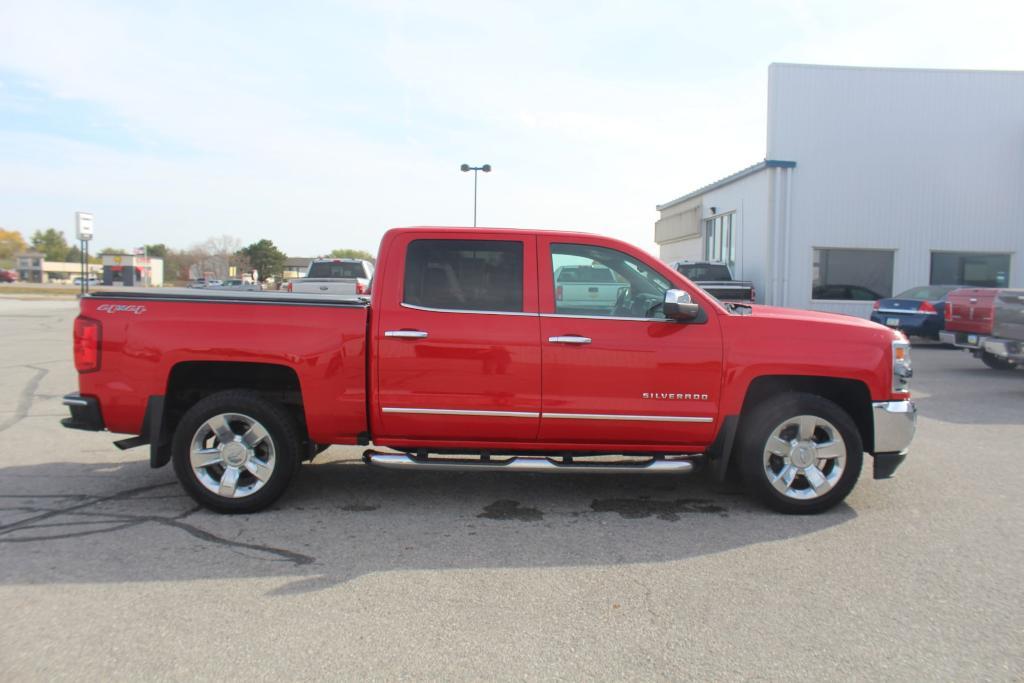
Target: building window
x,y
852,274
976,270
720,239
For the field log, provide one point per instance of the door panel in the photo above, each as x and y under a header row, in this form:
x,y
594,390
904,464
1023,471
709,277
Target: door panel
x,y
625,374
635,381
459,374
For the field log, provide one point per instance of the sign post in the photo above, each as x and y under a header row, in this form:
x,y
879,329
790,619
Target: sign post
x,y
84,231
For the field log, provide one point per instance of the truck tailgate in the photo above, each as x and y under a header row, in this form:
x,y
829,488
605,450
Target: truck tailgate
x,y
970,310
1008,321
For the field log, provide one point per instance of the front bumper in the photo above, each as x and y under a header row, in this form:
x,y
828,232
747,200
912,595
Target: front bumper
x,y
85,413
895,423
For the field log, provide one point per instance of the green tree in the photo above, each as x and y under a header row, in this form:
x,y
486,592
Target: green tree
x,y
157,250
52,243
111,250
353,253
11,244
266,258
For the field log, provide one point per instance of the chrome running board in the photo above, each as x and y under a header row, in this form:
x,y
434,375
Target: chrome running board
x,y
401,461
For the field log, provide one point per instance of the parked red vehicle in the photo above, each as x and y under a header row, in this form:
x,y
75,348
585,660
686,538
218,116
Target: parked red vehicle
x,y
8,275
464,349
970,314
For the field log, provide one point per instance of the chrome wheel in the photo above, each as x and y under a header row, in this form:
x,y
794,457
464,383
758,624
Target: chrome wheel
x,y
232,455
804,457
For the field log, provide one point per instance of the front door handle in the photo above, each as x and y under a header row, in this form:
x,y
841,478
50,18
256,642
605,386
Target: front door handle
x,y
570,339
406,334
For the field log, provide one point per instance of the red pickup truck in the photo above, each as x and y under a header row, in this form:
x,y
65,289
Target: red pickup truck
x,y
463,358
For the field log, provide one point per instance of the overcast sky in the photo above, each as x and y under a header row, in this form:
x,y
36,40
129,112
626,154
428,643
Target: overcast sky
x,y
320,124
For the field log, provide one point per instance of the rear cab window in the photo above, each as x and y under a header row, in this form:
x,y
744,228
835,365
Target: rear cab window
x,y
337,270
705,272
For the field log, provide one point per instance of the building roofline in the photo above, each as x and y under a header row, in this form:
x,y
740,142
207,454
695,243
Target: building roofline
x,y
849,67
738,175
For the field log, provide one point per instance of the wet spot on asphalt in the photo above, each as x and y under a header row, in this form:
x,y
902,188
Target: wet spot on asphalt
x,y
511,509
359,508
639,508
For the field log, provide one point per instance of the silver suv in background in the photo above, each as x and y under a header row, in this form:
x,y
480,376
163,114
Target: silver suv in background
x,y
335,276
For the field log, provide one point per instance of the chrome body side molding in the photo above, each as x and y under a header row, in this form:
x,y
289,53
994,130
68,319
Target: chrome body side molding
x,y
555,416
446,411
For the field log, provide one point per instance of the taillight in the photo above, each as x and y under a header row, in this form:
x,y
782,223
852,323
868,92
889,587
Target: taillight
x,y
87,345
949,310
875,306
926,307
558,293
360,288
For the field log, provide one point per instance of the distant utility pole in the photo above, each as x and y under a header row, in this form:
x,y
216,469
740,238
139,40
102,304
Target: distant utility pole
x,y
486,168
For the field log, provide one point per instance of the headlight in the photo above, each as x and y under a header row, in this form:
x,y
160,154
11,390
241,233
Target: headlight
x,y
901,369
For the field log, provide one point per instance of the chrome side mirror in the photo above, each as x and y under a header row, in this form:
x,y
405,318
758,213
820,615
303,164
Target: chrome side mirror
x,y
679,305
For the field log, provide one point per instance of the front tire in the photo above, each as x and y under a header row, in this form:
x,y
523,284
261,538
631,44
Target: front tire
x,y
235,452
800,453
997,363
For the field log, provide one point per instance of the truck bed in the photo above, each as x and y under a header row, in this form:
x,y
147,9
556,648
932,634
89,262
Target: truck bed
x,y
152,338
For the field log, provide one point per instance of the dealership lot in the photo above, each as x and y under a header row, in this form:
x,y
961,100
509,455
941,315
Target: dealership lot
x,y
108,570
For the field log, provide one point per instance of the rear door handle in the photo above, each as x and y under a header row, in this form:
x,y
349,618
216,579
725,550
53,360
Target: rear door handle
x,y
570,339
406,334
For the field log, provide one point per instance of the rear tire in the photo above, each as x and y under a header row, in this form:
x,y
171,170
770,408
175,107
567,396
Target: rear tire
x,y
997,363
800,453
235,452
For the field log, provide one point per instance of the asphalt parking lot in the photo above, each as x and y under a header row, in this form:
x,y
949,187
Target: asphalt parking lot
x,y
108,571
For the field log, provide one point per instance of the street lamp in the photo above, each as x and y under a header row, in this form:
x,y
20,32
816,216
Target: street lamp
x,y
486,168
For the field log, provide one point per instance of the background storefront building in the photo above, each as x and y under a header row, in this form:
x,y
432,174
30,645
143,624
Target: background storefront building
x,y
875,180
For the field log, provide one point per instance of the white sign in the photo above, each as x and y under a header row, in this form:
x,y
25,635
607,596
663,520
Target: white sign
x,y
83,225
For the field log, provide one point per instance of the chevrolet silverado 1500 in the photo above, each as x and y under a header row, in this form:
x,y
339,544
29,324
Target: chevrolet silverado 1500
x,y
463,358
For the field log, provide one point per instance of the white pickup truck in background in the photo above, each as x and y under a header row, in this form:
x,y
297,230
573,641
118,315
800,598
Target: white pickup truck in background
x,y
584,288
335,276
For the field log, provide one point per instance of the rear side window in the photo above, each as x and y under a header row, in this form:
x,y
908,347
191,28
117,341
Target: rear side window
x,y
337,270
465,275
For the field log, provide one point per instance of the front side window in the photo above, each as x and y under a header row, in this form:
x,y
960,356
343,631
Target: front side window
x,y
852,274
465,275
597,281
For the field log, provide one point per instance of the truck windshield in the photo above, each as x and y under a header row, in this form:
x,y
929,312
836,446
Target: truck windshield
x,y
705,272
336,269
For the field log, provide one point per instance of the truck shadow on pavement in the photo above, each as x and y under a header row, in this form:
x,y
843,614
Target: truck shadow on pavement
x,y
74,522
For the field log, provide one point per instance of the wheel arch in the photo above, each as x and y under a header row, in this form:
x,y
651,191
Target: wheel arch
x,y
190,381
851,395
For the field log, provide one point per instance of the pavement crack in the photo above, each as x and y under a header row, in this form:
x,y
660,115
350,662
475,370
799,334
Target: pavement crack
x,y
118,521
128,493
26,397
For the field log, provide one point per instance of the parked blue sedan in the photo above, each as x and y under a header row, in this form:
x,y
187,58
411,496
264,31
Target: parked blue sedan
x,y
919,311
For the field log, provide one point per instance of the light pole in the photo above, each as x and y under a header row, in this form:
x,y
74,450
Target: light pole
x,y
486,168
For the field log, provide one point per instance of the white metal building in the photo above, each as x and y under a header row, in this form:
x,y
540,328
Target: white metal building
x,y
876,180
